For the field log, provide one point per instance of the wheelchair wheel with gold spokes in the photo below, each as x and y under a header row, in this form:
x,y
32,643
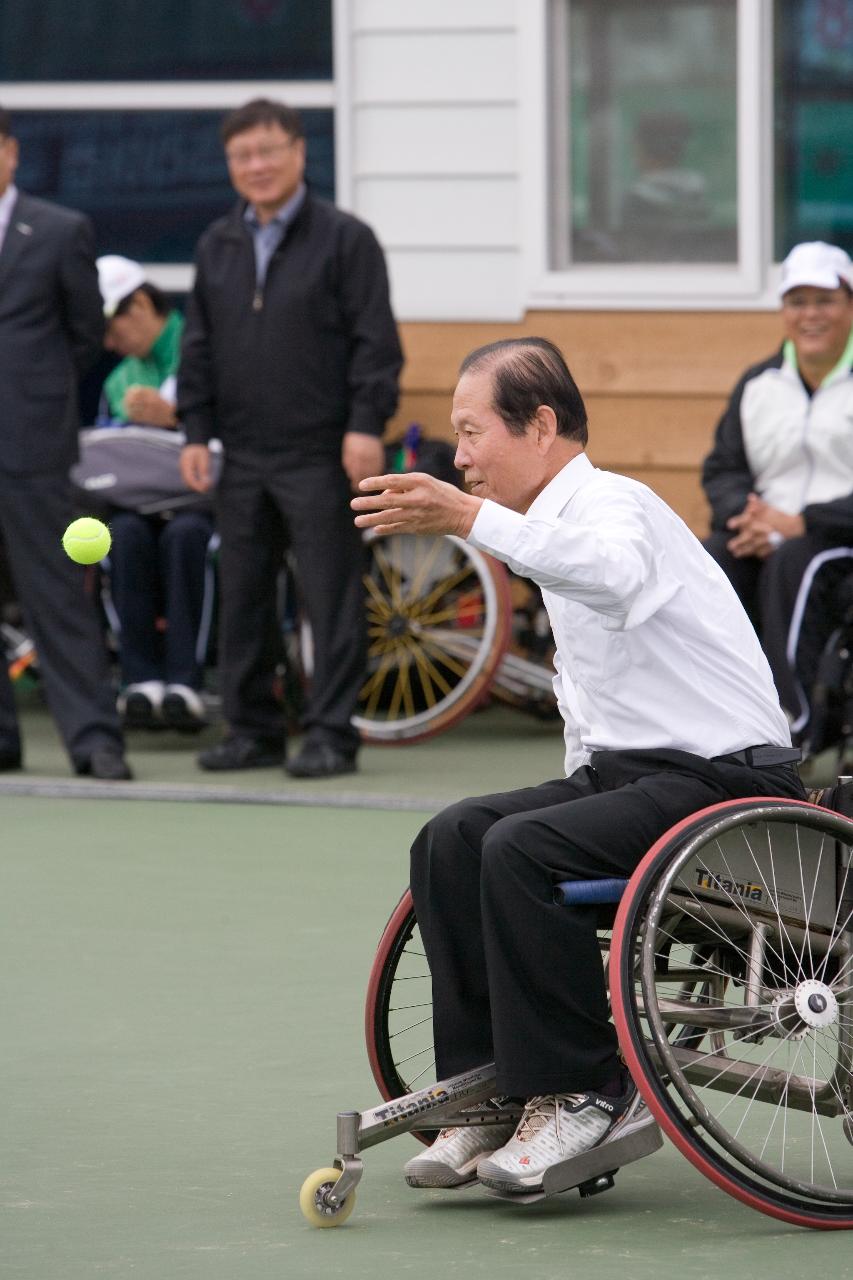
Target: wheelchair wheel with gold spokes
x,y
438,619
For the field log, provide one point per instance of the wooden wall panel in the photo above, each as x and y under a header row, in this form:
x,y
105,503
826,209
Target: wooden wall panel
x,y
642,431
679,353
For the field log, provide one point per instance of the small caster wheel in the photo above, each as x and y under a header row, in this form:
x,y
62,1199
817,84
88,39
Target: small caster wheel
x,y
312,1200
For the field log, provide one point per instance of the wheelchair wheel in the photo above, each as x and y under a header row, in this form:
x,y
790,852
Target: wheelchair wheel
x,y
398,1009
438,618
732,989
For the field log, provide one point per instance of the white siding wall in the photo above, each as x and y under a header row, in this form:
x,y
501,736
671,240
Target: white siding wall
x,y
429,92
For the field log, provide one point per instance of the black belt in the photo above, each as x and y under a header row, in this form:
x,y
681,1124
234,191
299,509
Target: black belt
x,y
763,757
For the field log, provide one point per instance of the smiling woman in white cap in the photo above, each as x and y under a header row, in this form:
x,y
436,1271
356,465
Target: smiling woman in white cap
x,y
157,562
780,475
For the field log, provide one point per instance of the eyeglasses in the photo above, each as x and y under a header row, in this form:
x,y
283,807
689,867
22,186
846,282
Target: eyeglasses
x,y
242,157
823,303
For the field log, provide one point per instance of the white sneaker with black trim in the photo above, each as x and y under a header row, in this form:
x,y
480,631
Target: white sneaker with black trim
x,y
183,707
452,1159
140,705
556,1128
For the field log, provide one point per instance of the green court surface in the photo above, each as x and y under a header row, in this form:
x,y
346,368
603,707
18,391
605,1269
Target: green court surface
x,y
181,988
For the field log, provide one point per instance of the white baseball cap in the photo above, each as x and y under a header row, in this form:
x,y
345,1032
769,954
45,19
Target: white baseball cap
x,y
824,266
118,278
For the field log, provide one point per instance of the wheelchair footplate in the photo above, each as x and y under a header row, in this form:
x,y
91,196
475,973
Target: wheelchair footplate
x,y
328,1195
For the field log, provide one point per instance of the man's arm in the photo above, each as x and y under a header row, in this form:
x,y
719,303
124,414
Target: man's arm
x,y
195,401
605,562
726,476
80,297
376,357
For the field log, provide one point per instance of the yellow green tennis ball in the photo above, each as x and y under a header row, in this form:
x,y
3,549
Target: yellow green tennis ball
x,y
86,540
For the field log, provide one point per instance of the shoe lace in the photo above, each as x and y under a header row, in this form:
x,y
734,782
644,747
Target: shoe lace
x,y
538,1112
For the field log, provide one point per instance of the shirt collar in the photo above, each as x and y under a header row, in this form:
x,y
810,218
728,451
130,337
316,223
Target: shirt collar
x,y
7,201
283,216
558,492
839,371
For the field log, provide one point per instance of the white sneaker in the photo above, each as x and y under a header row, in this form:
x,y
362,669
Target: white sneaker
x,y
140,705
557,1128
183,707
452,1159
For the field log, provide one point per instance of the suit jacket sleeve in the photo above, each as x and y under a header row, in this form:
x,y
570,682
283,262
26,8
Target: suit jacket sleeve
x,y
196,392
80,297
726,475
376,357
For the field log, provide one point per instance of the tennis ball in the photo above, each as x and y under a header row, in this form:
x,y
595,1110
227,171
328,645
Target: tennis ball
x,y
86,540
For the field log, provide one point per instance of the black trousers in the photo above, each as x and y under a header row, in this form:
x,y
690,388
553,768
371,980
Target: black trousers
x,y
516,978
768,590
62,620
264,506
158,568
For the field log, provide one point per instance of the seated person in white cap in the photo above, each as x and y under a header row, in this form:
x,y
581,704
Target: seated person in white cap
x,y
780,475
157,561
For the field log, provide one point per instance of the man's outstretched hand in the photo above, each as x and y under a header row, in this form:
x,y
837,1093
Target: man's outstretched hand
x,y
413,502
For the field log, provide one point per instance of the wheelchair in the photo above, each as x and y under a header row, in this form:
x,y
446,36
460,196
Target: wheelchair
x,y
447,628
729,962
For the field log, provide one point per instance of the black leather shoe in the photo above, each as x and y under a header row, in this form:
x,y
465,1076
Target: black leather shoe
x,y
240,752
9,759
321,760
106,764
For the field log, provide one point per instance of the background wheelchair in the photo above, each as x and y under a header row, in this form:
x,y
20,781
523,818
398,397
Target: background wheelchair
x,y
730,968
447,627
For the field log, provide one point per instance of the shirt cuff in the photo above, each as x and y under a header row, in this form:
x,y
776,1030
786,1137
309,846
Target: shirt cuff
x,y
496,529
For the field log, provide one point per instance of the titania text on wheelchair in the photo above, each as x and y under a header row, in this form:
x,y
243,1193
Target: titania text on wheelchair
x,y
669,709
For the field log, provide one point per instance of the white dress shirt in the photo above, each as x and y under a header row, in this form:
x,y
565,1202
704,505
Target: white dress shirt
x,y
7,203
653,647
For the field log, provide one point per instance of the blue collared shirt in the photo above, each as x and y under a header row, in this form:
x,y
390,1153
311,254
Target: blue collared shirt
x,y
268,237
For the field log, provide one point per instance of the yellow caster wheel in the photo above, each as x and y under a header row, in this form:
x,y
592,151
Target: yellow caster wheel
x,y
313,1204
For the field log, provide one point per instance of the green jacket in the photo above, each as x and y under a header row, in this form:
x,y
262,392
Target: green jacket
x,y
151,371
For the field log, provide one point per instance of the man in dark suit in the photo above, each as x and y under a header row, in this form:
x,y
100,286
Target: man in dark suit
x,y
51,328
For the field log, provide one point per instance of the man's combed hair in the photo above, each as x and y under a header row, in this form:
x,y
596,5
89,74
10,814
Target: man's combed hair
x,y
157,297
5,124
527,373
261,111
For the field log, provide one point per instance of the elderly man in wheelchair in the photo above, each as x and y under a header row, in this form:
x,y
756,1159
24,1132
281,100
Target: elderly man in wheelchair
x,y
671,724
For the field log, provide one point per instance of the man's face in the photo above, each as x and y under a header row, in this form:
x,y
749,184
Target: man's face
x,y
8,161
135,331
266,165
818,322
507,468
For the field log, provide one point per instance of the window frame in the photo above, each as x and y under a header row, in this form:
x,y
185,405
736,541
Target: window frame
x,y
747,284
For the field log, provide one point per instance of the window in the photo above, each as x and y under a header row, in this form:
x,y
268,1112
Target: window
x,y
644,132
813,123
70,40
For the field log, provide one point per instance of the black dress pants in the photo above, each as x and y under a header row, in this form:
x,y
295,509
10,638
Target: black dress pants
x,y
63,622
266,504
516,978
159,567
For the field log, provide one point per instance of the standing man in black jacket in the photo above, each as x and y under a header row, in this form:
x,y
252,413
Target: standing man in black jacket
x,y
291,357
51,327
